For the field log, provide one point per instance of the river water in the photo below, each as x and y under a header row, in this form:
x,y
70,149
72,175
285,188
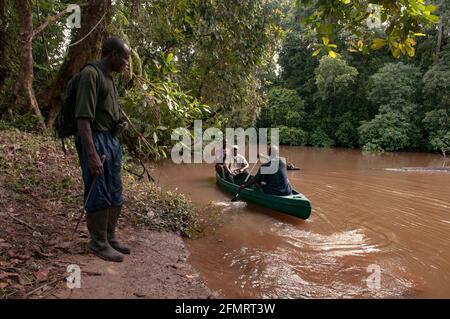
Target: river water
x,y
376,231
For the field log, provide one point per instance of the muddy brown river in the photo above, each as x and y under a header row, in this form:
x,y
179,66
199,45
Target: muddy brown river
x,y
376,230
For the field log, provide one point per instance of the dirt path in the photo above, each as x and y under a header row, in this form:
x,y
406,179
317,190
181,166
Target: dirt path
x,y
157,268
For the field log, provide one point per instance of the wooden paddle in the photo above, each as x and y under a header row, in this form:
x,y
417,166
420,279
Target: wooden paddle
x,y
235,198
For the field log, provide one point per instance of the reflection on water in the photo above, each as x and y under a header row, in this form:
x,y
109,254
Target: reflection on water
x,y
363,214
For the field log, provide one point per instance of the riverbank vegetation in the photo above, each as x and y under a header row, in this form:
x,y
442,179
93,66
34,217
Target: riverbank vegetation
x,y
41,201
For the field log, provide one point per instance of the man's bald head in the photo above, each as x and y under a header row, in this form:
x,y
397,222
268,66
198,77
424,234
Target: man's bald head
x,y
114,44
115,52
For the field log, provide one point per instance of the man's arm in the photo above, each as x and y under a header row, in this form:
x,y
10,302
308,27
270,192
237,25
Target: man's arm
x,y
227,167
246,166
85,114
257,179
85,131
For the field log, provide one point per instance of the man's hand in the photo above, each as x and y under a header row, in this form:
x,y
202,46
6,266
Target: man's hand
x,y
95,164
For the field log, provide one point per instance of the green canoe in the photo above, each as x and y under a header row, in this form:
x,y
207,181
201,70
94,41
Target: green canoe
x,y
296,204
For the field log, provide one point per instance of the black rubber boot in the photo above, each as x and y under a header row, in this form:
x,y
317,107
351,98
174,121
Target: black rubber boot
x,y
97,223
114,213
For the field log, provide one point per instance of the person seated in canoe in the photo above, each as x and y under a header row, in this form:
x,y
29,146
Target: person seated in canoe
x,y
237,166
221,156
276,183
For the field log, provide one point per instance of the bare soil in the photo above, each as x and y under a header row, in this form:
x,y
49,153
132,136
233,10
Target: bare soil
x,y
156,268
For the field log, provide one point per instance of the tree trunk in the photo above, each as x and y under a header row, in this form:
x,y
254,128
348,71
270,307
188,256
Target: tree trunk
x,y
79,54
439,40
3,45
135,4
24,84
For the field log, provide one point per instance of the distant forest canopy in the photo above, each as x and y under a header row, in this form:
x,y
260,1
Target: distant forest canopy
x,y
370,95
371,74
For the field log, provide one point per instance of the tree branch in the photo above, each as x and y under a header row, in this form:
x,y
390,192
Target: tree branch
x,y
439,41
49,20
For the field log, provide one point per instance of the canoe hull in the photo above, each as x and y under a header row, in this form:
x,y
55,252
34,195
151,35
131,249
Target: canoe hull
x,y
296,205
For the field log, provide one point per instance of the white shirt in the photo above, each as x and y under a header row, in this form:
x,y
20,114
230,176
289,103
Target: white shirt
x,y
237,162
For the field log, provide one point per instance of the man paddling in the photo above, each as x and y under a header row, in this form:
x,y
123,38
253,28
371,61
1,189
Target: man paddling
x,y
276,183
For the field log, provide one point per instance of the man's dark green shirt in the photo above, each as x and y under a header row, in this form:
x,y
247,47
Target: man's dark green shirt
x,y
101,107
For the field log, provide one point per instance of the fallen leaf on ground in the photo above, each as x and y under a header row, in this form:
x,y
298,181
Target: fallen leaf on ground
x,y
41,275
8,274
24,257
64,244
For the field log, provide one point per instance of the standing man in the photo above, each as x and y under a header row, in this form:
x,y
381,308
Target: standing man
x,y
98,119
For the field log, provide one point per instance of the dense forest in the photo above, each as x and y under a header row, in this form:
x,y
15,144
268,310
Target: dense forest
x,y
374,100
308,67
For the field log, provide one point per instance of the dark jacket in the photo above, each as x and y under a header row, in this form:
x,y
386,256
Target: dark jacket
x,y
276,183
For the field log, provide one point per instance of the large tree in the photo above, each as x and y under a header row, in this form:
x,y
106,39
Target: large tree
x,y
443,26
394,89
24,84
85,46
3,44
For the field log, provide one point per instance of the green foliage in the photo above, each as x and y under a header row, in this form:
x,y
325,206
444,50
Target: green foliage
x,y
156,107
334,77
394,89
368,98
346,133
192,54
372,148
169,211
292,136
437,83
437,124
217,61
297,64
186,53
388,131
437,120
426,51
371,24
26,122
396,85
284,107
441,143
223,50
320,138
